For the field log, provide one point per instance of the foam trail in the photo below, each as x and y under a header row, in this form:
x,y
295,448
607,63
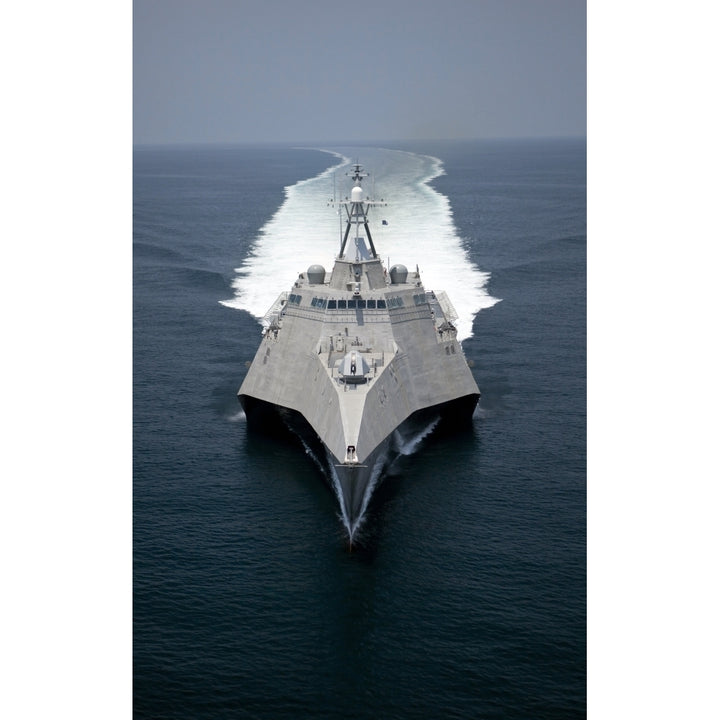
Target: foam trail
x,y
339,494
419,231
308,450
408,445
302,229
374,478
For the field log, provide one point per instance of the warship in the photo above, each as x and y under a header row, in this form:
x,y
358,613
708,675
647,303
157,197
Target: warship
x,y
357,359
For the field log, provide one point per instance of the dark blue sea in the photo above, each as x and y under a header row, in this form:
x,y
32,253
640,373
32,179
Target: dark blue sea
x,y
465,594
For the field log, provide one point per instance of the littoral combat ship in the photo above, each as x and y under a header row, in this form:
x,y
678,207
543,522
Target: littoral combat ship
x,y
357,358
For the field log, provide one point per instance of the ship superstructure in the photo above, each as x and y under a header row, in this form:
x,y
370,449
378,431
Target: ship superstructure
x,y
354,355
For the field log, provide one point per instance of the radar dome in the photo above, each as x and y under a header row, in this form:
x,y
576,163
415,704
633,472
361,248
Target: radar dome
x,y
316,274
357,194
398,274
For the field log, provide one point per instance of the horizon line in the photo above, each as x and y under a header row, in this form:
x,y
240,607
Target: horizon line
x,y
305,143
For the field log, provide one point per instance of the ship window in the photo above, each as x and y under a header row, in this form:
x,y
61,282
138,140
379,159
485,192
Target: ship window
x,y
342,304
332,304
371,304
361,303
314,302
352,304
381,304
298,299
291,298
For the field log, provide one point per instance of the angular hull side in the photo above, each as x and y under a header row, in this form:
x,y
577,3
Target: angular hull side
x,y
408,388
358,481
353,482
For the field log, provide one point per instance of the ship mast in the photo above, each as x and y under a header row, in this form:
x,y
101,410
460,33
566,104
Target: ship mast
x,y
357,210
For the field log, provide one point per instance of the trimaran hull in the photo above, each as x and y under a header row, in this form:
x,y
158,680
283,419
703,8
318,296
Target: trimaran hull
x,y
353,483
355,358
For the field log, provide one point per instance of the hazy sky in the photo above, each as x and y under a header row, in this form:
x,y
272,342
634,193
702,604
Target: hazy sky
x,y
323,70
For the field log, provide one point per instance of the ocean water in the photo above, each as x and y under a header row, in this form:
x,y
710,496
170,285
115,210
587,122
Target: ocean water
x,y
464,597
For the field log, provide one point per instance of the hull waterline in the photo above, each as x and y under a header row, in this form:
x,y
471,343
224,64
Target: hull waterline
x,y
353,483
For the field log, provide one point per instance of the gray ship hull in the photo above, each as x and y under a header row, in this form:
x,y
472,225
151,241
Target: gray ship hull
x,y
353,484
355,358
358,482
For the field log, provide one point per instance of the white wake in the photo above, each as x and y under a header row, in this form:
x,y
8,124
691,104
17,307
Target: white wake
x,y
418,231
